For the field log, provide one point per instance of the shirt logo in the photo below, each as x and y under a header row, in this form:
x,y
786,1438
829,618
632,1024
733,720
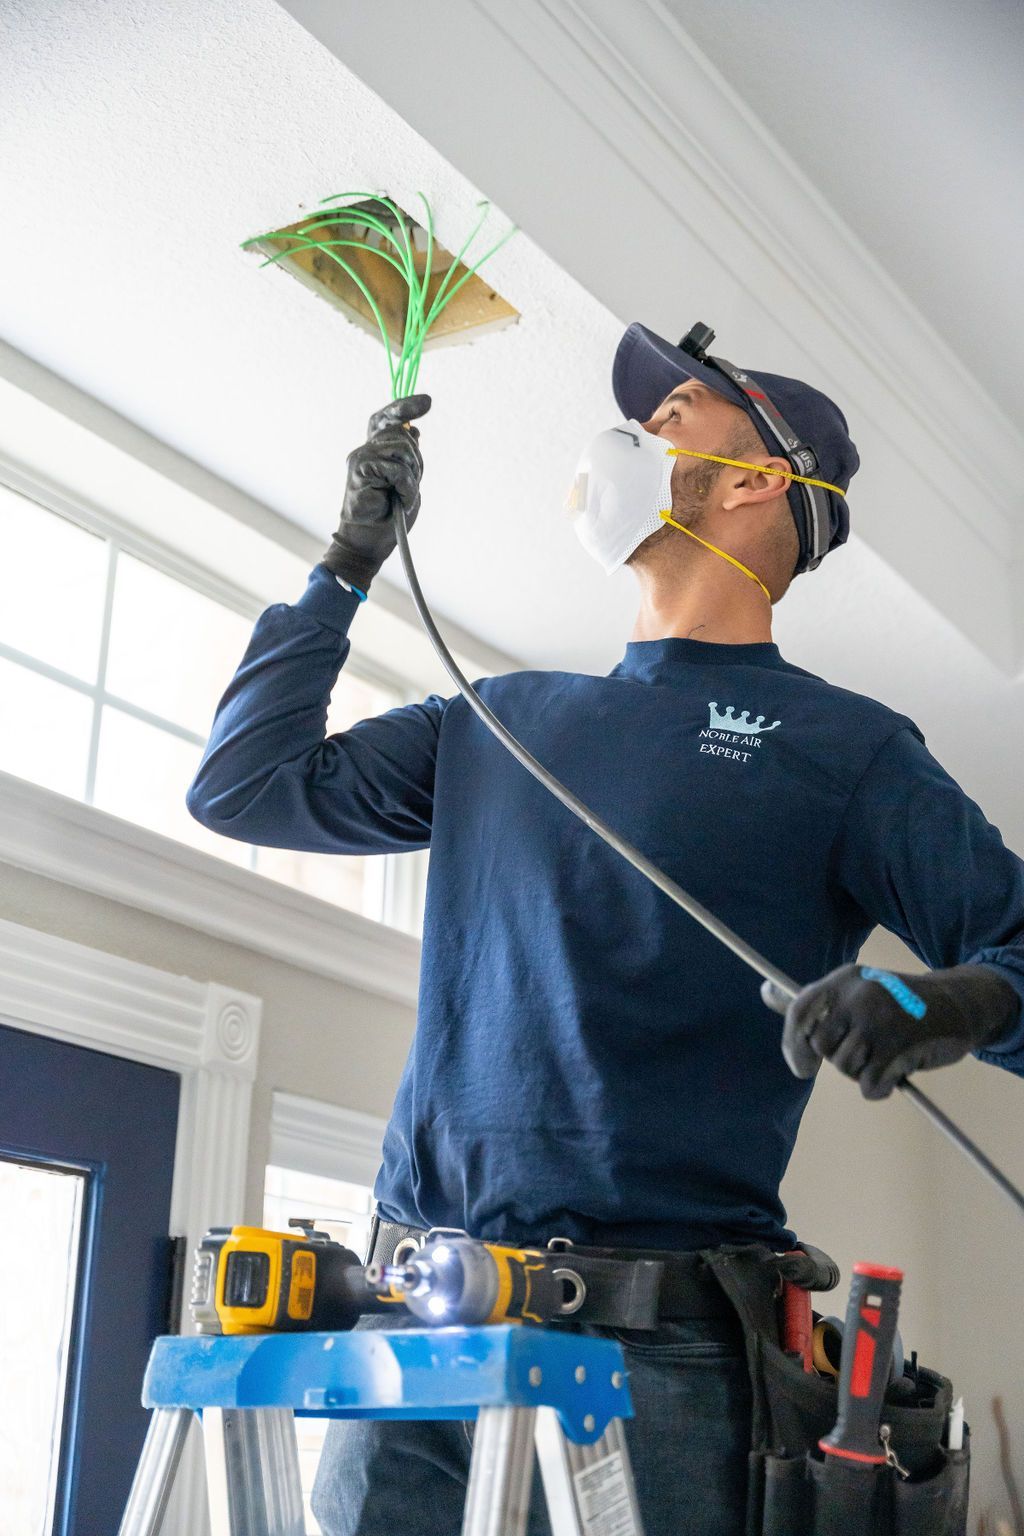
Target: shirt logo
x,y
743,724
728,734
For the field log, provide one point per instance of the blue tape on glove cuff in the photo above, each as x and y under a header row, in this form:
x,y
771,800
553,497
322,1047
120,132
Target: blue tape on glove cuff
x,y
904,995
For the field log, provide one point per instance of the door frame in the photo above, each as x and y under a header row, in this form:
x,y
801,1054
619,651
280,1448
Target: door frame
x,y
205,1032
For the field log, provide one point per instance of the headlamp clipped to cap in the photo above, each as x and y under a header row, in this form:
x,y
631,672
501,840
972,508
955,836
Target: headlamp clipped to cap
x,y
816,533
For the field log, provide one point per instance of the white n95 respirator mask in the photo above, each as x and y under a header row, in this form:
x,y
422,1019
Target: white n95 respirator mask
x,y
622,494
623,483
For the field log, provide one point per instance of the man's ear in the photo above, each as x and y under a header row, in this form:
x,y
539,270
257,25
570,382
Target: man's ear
x,y
752,488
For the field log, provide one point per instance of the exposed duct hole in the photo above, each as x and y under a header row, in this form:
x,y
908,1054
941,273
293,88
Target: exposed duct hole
x,y
475,309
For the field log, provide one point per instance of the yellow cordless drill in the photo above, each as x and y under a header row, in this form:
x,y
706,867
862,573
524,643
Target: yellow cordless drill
x,y
251,1280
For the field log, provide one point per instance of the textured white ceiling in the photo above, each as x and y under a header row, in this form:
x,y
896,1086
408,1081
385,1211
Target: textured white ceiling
x,y
908,116
143,142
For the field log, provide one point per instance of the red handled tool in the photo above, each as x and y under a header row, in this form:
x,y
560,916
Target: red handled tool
x,y
797,1322
868,1334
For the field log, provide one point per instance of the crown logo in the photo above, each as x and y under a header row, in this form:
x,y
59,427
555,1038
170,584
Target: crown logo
x,y
741,723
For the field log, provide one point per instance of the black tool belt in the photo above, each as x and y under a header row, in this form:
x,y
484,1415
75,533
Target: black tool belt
x,y
795,1490
620,1287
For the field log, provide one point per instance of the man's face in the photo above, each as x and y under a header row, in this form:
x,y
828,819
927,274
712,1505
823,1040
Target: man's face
x,y
694,416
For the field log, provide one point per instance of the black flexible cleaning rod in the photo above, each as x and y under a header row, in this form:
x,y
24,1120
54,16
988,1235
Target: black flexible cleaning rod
x,y
778,988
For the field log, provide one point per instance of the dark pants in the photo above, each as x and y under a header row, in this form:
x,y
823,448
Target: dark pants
x,y
688,1444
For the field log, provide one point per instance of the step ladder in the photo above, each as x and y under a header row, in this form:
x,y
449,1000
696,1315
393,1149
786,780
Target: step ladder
x,y
564,1393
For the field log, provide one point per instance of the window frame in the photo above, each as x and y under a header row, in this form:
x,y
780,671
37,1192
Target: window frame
x,y
403,876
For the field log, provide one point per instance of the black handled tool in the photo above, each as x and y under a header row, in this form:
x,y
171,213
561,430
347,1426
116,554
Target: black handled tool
x,y
868,1335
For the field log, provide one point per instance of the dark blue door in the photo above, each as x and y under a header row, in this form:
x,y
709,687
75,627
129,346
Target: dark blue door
x,y
91,1138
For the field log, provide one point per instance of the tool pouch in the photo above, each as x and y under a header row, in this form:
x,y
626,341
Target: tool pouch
x,y
796,1490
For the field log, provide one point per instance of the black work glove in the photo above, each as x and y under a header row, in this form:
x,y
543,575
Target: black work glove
x,y
385,469
881,1030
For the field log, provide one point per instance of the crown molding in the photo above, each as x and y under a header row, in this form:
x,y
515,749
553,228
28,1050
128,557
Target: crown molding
x,y
637,168
49,834
325,1139
205,1033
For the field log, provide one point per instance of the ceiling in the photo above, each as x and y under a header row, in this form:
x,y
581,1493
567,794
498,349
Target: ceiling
x,y
908,115
142,143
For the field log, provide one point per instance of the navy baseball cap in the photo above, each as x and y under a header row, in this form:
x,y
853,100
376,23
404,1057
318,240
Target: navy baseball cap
x,y
647,368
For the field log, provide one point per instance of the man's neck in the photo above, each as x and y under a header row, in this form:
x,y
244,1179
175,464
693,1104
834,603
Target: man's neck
x,y
706,605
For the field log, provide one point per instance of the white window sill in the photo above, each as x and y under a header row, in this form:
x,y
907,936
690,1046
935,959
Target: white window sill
x,y
51,835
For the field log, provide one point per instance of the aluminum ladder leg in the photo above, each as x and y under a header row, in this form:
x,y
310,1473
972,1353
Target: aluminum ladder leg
x,y
253,1475
588,1489
151,1486
252,1472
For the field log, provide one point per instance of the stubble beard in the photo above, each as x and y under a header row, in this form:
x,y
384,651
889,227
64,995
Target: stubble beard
x,y
690,485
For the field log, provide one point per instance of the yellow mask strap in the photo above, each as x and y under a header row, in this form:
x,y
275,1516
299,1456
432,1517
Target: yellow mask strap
x,y
764,469
667,517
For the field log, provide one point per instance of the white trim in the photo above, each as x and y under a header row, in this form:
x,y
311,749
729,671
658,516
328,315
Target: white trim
x,y
312,1136
79,845
207,1033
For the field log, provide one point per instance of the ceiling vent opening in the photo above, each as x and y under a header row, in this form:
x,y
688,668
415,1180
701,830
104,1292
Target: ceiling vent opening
x,y
475,309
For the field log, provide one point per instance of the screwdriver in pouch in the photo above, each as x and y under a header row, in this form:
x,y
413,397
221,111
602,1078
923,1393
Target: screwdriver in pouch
x,y
868,1334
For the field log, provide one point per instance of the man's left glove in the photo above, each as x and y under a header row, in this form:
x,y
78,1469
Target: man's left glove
x,y
878,1027
383,472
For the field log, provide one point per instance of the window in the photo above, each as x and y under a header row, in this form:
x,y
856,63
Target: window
x,y
340,1209
44,1205
323,1161
110,672
343,1211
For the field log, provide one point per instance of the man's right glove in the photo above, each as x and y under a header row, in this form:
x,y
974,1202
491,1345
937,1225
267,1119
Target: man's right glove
x,y
385,469
879,1026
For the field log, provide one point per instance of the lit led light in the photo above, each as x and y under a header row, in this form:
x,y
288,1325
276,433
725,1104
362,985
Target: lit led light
x,y
437,1305
441,1254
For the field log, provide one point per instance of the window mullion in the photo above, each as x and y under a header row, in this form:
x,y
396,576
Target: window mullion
x,y
44,669
159,722
101,675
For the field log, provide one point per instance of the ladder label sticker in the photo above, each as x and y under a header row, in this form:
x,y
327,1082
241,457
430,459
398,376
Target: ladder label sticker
x,y
604,1498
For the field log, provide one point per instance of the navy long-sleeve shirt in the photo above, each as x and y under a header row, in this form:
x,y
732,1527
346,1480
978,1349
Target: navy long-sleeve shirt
x,y
587,1060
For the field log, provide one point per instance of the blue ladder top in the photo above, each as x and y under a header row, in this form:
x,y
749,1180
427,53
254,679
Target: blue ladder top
x,y
411,1373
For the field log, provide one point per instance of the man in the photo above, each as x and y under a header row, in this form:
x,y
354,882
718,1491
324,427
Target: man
x,y
588,1062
